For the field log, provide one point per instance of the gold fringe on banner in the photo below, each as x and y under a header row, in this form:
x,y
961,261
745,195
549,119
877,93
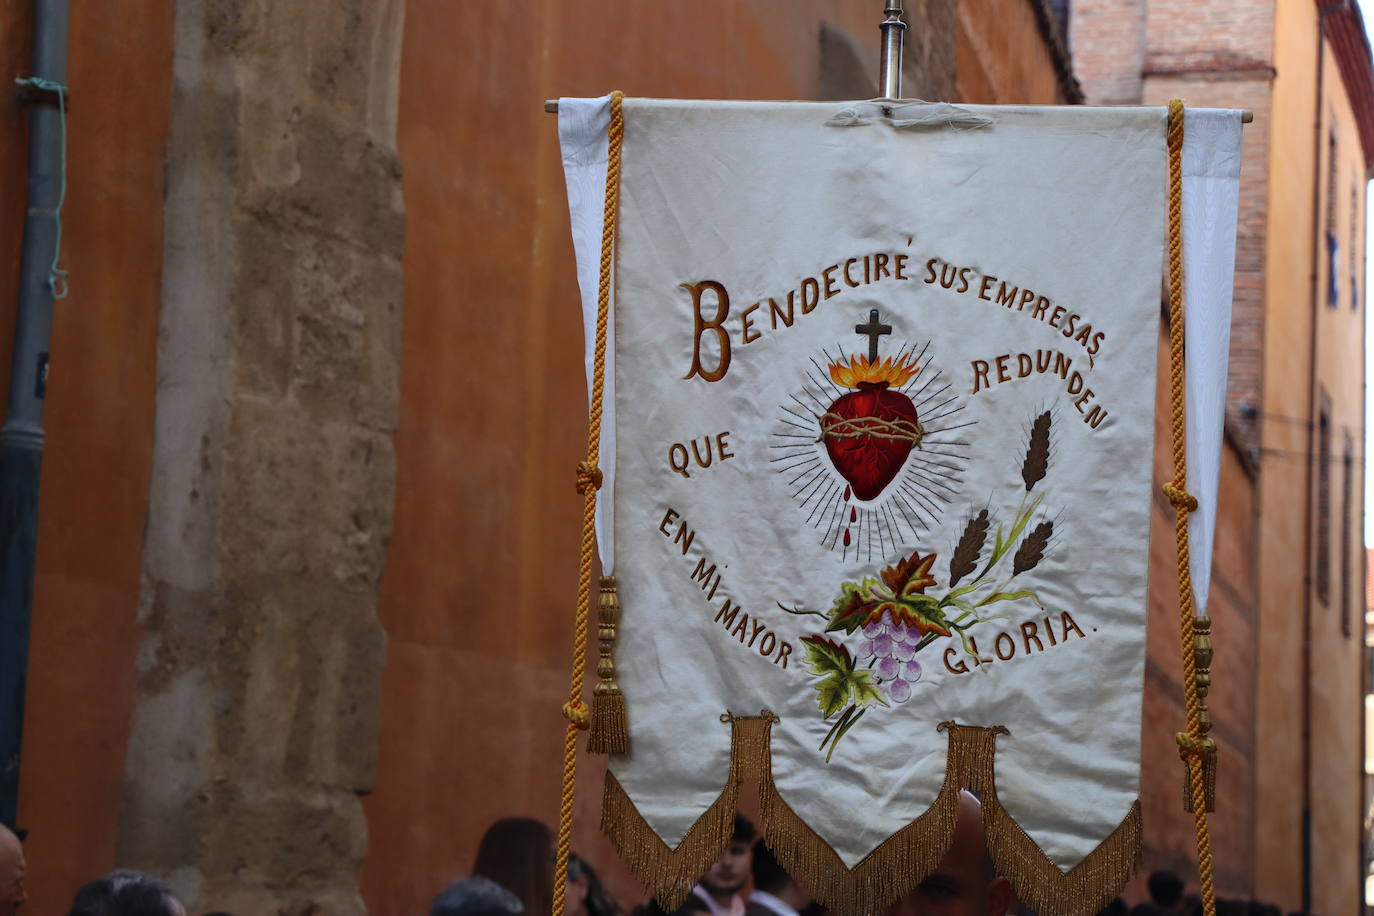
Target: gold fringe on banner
x,y
896,866
882,876
1085,888
610,727
670,874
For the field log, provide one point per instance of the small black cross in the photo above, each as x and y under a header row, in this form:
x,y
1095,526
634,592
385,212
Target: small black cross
x,y
872,330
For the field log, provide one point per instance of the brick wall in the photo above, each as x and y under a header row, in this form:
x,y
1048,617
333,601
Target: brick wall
x,y
1107,38
1188,36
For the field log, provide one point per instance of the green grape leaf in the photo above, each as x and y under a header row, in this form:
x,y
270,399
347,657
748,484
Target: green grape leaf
x,y
863,691
832,694
826,656
857,604
923,612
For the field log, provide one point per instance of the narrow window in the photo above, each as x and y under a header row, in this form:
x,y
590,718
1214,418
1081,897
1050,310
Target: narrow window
x,y
1356,257
1333,291
1347,488
1323,519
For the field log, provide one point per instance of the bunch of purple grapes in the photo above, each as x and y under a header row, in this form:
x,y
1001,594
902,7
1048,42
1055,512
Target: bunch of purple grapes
x,y
893,644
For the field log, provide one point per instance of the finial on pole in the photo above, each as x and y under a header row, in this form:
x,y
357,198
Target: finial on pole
x,y
890,64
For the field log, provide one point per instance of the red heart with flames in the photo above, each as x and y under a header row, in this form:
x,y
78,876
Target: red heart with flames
x,y
870,431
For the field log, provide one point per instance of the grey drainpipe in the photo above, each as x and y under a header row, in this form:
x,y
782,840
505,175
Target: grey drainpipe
x,y
21,437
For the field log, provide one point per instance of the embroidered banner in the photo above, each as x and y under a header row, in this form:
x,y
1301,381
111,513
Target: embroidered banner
x,y
878,452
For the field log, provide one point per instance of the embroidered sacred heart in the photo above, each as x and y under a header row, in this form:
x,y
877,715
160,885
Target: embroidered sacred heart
x,y
868,434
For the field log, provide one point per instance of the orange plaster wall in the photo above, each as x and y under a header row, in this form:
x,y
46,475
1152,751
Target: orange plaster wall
x,y
1337,637
1007,64
1285,596
1288,296
477,594
99,425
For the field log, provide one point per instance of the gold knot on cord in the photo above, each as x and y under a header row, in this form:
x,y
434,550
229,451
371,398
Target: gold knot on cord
x,y
1180,497
576,712
1193,747
588,477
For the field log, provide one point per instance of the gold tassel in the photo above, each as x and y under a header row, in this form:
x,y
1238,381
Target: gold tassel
x,y
610,733
1206,747
1207,752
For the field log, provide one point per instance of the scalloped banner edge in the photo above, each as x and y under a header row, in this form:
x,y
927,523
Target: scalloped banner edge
x,y
894,867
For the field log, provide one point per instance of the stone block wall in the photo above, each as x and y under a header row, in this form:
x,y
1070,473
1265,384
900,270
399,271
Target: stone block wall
x,y
257,702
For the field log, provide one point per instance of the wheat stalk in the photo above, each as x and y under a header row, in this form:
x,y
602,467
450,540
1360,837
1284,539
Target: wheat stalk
x,y
970,545
1032,548
1037,452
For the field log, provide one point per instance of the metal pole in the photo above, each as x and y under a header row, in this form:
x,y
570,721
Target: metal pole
x,y
21,437
890,64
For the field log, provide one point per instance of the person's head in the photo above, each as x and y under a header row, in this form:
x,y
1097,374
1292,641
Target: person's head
x,y
731,871
586,896
1166,889
126,893
12,873
475,897
964,883
517,853
771,877
1149,908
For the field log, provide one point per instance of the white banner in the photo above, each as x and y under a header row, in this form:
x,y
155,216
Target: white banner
x,y
884,394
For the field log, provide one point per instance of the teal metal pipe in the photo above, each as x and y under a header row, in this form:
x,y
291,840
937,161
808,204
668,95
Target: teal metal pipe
x,y
21,436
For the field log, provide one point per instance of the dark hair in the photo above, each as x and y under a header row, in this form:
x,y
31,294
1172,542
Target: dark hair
x,y
124,893
744,830
1166,888
517,853
474,897
769,876
599,903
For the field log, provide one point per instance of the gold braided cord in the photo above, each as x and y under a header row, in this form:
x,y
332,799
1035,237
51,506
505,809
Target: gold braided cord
x,y
1184,504
589,481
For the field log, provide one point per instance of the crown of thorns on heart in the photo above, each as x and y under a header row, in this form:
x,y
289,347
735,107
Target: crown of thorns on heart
x,y
862,374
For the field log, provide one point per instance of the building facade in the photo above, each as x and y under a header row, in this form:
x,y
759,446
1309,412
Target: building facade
x,y
1288,592
307,531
